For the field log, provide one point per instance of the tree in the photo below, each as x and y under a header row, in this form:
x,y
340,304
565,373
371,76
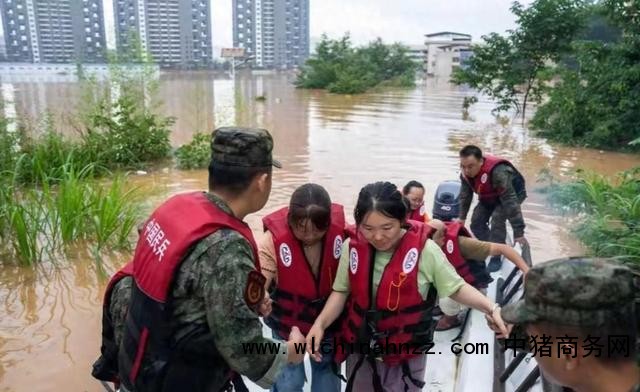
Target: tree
x,y
514,69
596,102
340,68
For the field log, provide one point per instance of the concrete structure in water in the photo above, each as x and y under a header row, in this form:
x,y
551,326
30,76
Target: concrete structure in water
x,y
53,31
177,33
274,32
446,51
418,53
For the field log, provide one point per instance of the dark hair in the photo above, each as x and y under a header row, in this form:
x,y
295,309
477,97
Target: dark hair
x,y
469,150
310,201
233,179
411,184
383,197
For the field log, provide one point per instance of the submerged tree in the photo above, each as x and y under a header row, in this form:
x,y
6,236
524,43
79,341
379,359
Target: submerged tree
x,y
340,68
514,68
596,101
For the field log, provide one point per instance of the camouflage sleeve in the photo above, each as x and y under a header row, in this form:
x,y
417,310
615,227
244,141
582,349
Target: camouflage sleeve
x,y
234,325
466,196
502,177
118,306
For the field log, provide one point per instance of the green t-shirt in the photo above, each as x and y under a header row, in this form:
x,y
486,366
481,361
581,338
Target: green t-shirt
x,y
433,269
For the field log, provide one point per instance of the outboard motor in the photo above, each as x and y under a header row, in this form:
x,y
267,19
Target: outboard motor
x,y
446,203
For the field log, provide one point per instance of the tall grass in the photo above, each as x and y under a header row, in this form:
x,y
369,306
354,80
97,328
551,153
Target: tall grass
x,y
606,211
63,205
113,213
26,225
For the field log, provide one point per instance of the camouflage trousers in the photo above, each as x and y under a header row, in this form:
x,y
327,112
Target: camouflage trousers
x,y
485,215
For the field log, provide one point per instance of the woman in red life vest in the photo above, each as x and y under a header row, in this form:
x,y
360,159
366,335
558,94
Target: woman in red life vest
x,y
299,255
391,274
414,193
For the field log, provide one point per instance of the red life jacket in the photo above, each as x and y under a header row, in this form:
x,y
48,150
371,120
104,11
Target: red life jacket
x,y
169,234
299,296
482,183
106,367
418,214
451,249
401,316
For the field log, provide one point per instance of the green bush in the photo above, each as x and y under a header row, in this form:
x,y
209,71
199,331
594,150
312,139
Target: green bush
x,y
129,138
340,68
196,154
596,101
607,212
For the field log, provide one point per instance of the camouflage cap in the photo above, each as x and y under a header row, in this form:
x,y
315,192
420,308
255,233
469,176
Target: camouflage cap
x,y
243,147
578,292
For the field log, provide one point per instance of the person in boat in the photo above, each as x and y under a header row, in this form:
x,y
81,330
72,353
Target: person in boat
x,y
114,312
501,191
391,273
299,256
413,191
467,255
197,289
580,315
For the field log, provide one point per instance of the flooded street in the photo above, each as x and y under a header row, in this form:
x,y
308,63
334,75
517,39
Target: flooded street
x,y
50,314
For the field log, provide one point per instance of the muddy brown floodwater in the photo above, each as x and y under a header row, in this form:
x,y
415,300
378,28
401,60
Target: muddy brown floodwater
x,y
50,315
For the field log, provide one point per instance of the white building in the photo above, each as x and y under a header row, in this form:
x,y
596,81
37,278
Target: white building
x,y
444,52
418,53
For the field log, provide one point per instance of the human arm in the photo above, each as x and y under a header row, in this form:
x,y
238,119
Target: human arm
x,y
466,197
233,322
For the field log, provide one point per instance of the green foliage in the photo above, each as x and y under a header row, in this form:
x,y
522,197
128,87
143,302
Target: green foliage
x,y
513,69
607,212
40,222
196,154
43,159
341,68
128,138
113,212
597,101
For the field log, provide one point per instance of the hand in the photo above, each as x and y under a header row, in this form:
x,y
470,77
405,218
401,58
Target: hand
x,y
295,342
314,337
497,324
265,307
522,241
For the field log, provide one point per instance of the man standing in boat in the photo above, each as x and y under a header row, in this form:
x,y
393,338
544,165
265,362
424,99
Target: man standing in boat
x,y
501,191
580,316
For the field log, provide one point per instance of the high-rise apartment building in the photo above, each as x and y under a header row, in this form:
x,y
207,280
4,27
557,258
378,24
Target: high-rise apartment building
x,y
53,31
274,32
174,32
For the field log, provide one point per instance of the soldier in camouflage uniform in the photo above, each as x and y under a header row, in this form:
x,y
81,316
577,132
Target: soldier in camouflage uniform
x,y
501,191
212,303
581,323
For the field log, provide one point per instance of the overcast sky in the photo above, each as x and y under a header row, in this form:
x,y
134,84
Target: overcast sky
x,y
394,20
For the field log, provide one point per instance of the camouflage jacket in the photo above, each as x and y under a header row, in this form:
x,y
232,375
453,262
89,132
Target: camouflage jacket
x,y
208,291
501,177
